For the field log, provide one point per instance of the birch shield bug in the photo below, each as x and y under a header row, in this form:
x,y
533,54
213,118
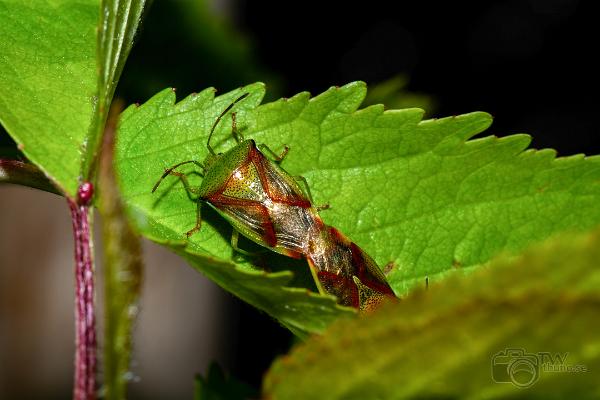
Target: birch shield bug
x,y
250,191
268,206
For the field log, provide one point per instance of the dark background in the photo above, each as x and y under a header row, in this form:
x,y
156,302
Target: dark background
x,y
530,63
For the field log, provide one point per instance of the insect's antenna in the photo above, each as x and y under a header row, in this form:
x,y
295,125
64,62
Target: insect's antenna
x,y
229,107
169,170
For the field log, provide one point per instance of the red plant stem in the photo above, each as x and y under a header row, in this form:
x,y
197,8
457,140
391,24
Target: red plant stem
x,y
84,387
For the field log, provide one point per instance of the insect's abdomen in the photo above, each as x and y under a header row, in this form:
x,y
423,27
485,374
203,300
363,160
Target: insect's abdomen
x,y
346,271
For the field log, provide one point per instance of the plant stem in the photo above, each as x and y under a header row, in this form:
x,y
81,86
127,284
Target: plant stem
x,y
123,269
85,319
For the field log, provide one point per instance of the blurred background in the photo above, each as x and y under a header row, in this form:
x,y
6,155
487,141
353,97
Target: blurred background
x,y
530,63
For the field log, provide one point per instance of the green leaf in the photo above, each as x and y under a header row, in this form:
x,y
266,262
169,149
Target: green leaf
x,y
48,81
411,192
217,386
53,101
442,343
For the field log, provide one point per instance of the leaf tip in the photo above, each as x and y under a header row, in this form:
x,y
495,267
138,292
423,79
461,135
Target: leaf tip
x,y
355,85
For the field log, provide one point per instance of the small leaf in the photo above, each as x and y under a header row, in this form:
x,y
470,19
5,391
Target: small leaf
x,y
18,172
394,93
414,194
217,386
444,342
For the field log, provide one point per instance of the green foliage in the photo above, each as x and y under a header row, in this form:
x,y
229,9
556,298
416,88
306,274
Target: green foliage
x,y
441,342
413,192
217,386
48,80
394,94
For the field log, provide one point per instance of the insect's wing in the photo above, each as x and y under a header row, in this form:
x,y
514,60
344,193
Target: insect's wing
x,y
280,186
249,218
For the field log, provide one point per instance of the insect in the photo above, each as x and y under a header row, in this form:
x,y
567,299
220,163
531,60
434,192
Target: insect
x,y
270,207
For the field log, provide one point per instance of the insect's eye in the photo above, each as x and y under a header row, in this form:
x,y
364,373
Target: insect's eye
x,y
220,154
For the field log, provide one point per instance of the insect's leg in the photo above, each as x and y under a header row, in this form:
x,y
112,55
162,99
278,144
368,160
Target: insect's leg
x,y
323,207
235,235
302,179
314,271
278,158
388,268
237,135
170,171
189,189
196,227
186,184
229,107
